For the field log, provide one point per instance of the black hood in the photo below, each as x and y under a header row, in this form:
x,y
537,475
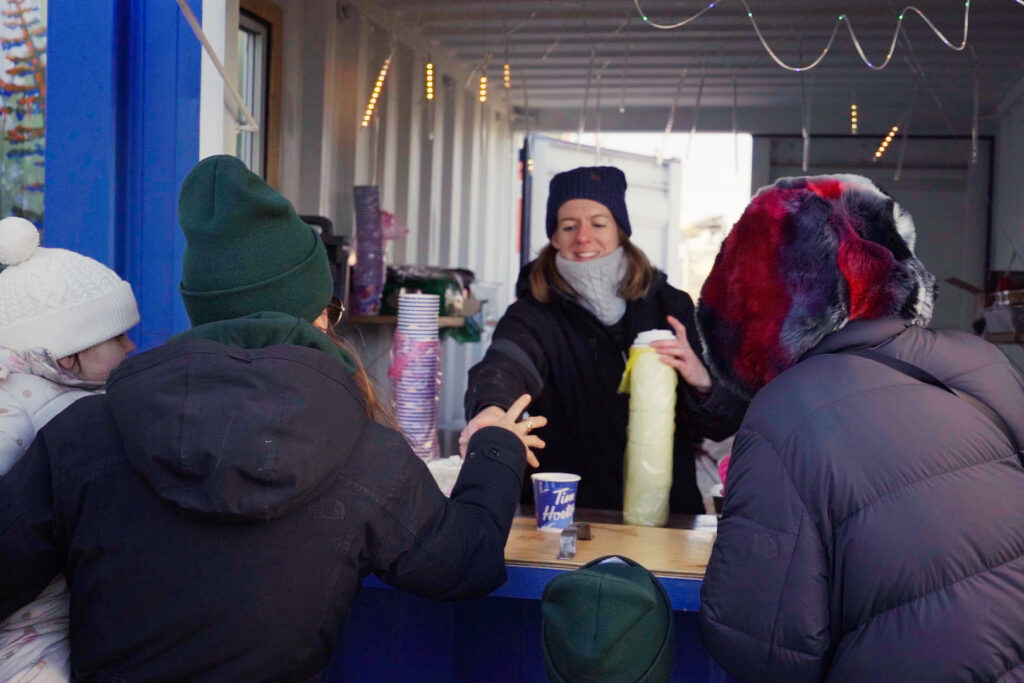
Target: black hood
x,y
246,434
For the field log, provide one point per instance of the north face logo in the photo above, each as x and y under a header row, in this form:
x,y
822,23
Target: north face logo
x,y
327,509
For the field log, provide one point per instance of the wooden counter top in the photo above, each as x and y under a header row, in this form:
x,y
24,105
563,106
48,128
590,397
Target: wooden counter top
x,y
667,552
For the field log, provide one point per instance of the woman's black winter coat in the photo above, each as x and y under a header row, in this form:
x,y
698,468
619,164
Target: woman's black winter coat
x,y
571,364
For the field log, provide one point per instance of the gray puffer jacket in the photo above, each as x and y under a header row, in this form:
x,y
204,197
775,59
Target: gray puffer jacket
x,y
873,527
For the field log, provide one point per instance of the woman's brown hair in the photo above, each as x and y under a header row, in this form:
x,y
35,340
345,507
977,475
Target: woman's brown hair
x,y
544,276
376,409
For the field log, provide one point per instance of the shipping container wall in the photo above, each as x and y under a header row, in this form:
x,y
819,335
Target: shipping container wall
x,y
945,193
1008,198
446,168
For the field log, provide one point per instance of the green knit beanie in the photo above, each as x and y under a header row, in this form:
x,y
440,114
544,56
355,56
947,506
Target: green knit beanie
x,y
246,249
609,621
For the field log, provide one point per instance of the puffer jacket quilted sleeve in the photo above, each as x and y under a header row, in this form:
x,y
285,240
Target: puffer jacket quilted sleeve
x,y
765,596
27,402
873,525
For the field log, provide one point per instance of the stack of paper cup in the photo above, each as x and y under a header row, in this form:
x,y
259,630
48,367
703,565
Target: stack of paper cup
x,y
368,278
416,372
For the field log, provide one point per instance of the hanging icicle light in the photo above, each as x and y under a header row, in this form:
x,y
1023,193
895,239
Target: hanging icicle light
x,y
483,88
375,95
885,143
428,81
506,73
853,119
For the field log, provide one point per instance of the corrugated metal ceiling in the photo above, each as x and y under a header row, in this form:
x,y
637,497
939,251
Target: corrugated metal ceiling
x,y
554,46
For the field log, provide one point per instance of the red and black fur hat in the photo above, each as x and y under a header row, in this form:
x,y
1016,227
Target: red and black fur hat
x,y
807,256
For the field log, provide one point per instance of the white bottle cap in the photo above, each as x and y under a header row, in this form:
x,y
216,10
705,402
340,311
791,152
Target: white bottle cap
x,y
645,338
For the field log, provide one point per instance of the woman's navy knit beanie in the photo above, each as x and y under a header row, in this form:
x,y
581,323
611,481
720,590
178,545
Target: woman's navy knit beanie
x,y
603,184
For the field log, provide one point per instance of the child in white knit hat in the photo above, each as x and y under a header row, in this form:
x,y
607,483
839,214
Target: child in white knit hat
x,y
63,319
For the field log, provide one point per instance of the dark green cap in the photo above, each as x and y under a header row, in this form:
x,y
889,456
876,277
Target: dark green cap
x,y
609,621
246,249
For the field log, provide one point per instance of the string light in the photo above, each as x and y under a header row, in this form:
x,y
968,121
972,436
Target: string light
x,y
974,113
506,74
586,100
841,19
625,70
884,145
428,82
375,94
696,113
735,130
684,22
853,119
671,119
483,88
550,49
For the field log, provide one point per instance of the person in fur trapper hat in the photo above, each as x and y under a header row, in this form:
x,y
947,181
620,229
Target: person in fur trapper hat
x,y
873,522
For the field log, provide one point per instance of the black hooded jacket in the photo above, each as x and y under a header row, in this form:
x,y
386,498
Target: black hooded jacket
x,y
571,364
216,511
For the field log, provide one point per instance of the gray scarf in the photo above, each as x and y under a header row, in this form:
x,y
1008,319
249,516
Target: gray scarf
x,y
597,284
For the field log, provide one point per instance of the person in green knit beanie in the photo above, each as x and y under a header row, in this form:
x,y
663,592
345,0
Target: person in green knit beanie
x,y
610,621
223,501
247,250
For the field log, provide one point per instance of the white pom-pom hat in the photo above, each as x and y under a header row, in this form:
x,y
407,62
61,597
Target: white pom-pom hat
x,y
55,299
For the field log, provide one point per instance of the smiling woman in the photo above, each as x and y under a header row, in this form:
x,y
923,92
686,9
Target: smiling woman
x,y
580,305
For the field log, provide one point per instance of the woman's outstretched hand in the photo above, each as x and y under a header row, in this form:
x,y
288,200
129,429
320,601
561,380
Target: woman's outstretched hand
x,y
679,354
494,416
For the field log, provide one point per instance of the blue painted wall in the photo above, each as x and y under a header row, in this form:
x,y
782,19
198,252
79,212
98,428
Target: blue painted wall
x,y
122,133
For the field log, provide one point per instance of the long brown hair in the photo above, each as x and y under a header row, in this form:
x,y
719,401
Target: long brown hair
x,y
376,409
544,276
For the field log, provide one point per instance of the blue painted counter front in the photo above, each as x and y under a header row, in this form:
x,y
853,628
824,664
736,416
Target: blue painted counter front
x,y
391,635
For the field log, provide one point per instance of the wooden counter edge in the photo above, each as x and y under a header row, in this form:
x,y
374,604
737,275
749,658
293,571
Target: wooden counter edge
x,y
670,553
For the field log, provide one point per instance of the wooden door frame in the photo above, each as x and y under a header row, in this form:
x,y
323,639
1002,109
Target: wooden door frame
x,y
270,14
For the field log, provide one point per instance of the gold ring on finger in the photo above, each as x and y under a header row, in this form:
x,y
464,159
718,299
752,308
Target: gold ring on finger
x,y
529,425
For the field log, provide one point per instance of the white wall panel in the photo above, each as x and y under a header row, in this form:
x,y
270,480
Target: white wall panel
x,y
446,168
1008,198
